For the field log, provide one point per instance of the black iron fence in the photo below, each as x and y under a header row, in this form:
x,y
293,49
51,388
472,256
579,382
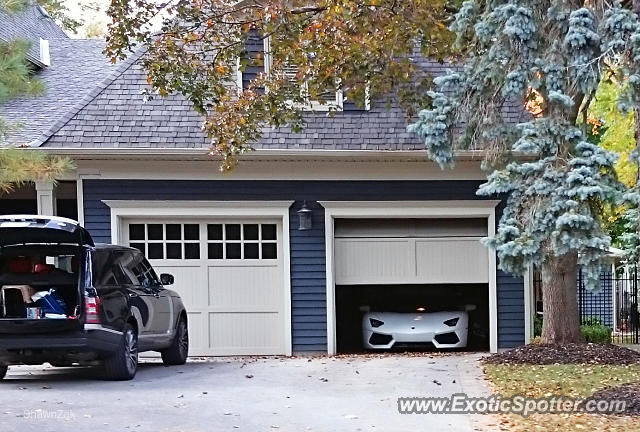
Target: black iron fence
x,y
615,304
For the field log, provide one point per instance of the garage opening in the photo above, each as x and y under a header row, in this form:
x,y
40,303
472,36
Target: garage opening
x,y
411,284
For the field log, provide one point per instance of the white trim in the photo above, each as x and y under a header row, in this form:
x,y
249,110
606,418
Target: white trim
x,y
286,246
80,199
367,98
45,54
46,198
493,285
99,327
331,281
239,76
197,208
121,209
405,209
401,169
529,307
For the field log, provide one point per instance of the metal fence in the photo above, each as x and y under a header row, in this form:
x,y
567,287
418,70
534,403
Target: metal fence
x,y
615,304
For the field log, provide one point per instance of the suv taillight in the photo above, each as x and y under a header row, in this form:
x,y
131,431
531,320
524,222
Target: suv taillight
x,y
91,309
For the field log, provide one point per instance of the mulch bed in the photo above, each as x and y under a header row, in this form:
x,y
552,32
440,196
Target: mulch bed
x,y
630,393
585,353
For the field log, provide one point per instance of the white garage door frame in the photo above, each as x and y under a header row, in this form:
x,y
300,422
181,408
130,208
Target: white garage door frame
x,y
403,210
126,209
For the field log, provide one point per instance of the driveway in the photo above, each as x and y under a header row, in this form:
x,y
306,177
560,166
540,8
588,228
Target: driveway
x,y
342,394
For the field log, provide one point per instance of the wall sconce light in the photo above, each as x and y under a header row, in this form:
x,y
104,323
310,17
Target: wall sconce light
x,y
305,218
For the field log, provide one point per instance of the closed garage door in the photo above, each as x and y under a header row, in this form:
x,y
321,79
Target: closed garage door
x,y
410,251
230,275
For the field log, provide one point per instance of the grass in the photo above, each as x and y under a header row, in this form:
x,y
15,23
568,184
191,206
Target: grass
x,y
567,380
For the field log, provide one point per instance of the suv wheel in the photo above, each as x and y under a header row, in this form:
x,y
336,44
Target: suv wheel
x,y
3,371
123,364
177,353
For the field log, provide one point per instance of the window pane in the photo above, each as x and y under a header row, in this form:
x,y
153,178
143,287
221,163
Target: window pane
x,y
192,232
214,231
251,251
174,250
232,231
250,232
126,262
150,277
154,232
269,251
136,232
155,251
192,251
174,232
268,232
233,251
215,250
139,246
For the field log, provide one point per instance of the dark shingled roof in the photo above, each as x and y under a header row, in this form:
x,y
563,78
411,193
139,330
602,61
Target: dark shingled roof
x,y
77,66
30,24
115,115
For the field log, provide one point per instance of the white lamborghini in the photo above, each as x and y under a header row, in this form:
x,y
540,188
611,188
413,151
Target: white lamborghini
x,y
383,330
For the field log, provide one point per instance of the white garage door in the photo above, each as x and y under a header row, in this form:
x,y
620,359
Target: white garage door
x,y
410,251
230,276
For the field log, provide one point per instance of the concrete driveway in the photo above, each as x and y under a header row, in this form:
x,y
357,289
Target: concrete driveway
x,y
342,394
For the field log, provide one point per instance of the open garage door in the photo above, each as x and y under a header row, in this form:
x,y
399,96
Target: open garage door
x,y
410,251
410,265
230,275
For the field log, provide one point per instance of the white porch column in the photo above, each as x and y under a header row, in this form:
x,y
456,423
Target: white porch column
x,y
46,197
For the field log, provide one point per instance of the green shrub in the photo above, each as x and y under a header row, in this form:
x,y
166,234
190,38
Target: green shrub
x,y
596,333
537,325
592,321
593,330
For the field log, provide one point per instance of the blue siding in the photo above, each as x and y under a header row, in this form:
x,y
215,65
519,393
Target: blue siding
x,y
510,304
308,282
510,310
307,247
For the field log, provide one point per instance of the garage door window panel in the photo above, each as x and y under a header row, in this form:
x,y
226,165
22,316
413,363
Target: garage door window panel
x,y
242,241
166,241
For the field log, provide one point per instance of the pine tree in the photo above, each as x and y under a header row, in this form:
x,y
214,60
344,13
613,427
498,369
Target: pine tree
x,y
17,165
550,54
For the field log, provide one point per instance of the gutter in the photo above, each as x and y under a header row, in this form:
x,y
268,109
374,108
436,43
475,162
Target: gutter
x,y
259,154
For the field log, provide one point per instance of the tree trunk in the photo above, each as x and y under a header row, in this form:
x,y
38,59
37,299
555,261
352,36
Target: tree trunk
x,y
561,323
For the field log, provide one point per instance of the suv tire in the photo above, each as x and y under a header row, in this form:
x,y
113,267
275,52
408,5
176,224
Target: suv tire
x,y
177,353
3,371
123,364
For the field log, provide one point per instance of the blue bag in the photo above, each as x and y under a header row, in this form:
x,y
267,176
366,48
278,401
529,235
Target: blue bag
x,y
50,301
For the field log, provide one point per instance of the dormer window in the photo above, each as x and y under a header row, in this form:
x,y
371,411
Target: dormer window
x,y
327,101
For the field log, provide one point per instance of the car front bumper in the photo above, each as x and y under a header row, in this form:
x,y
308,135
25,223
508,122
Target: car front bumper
x,y
413,331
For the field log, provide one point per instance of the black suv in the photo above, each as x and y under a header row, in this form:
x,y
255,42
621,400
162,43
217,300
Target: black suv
x,y
66,301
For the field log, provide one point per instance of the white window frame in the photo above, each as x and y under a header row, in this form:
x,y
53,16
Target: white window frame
x,y
310,105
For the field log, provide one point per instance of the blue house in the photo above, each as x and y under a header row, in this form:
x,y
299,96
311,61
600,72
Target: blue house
x,y
286,253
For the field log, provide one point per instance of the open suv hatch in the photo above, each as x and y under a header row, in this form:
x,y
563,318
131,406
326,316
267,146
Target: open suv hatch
x,y
65,300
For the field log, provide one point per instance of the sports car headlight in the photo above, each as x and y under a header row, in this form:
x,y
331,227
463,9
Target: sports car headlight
x,y
375,323
452,322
